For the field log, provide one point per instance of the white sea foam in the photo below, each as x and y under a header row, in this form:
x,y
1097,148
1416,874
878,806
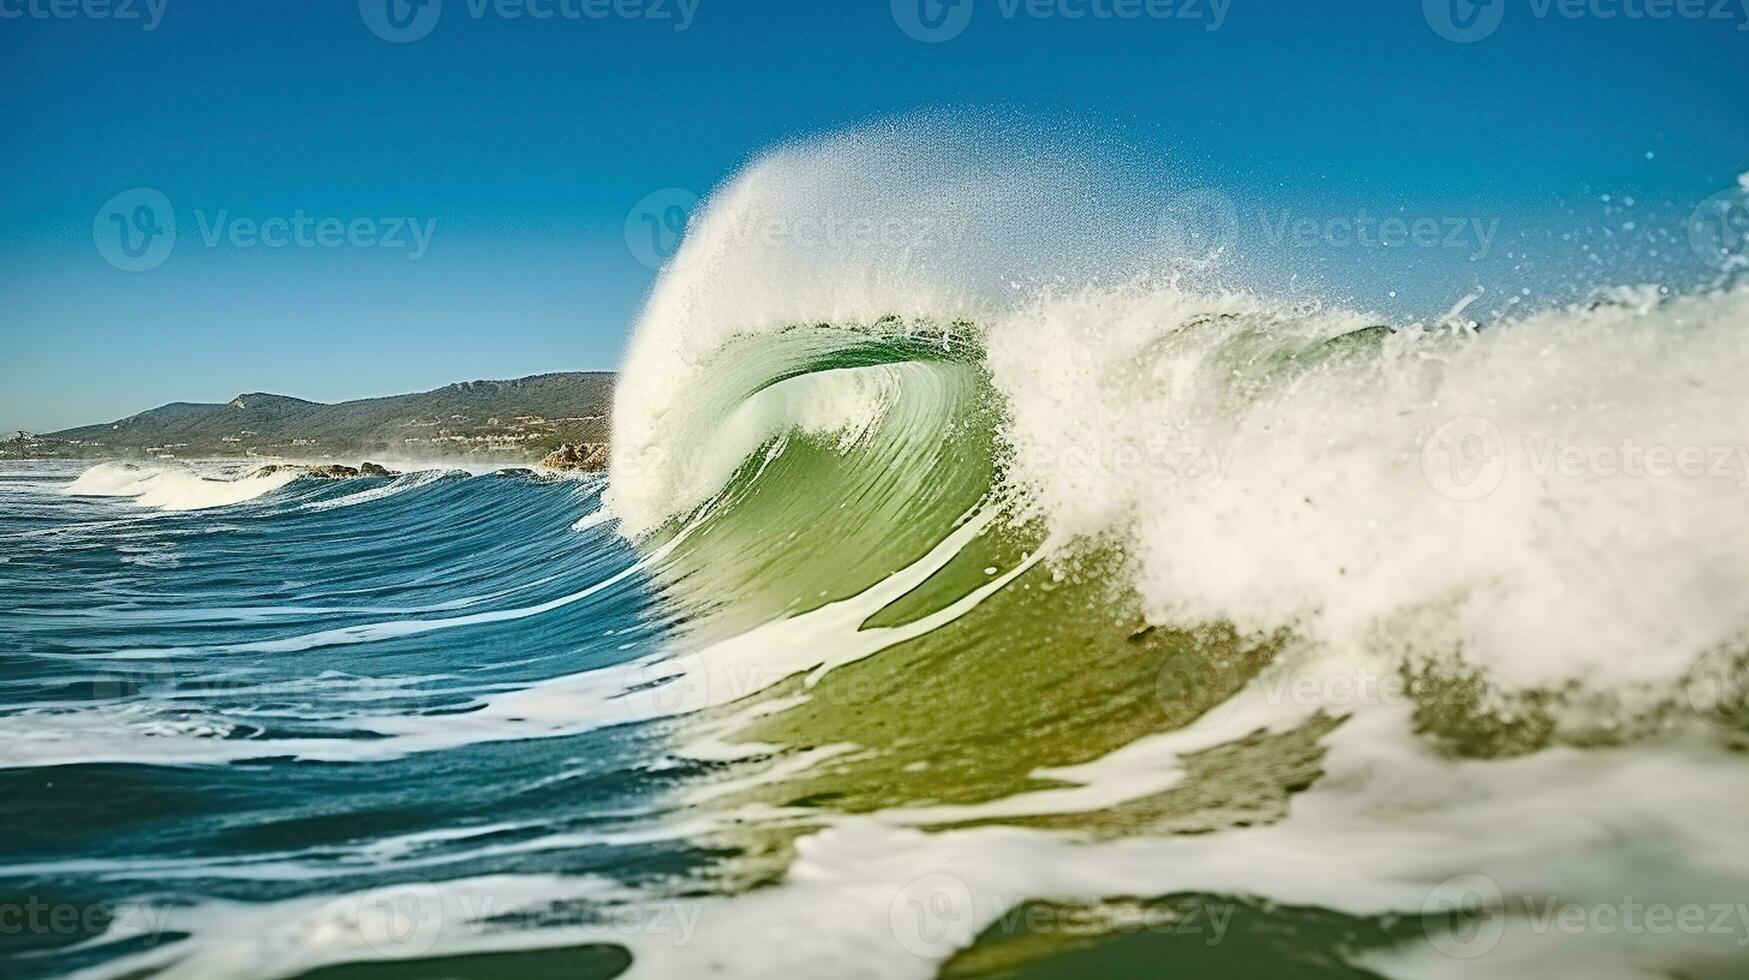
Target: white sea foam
x,y
409,919
595,518
1475,493
1391,829
174,487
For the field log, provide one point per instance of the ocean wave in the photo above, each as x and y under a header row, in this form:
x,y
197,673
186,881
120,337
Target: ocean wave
x,y
1412,489
172,487
1033,565
381,491
1239,560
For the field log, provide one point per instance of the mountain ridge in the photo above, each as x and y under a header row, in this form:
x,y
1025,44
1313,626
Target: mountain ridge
x,y
511,419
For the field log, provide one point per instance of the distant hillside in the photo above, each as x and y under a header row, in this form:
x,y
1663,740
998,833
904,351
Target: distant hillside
x,y
511,420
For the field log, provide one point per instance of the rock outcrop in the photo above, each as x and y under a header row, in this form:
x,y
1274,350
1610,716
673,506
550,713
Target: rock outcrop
x,y
335,471
584,457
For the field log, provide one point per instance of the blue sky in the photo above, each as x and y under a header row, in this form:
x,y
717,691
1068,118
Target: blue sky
x,y
528,141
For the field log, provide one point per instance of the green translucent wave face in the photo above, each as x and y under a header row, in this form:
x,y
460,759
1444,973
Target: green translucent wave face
x,y
1053,669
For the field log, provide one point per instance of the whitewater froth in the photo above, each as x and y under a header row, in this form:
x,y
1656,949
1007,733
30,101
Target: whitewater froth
x,y
1262,462
1338,509
172,486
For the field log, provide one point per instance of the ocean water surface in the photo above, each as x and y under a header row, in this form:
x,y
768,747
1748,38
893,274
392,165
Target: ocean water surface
x,y
934,620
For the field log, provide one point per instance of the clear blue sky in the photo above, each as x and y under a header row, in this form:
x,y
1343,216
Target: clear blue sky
x,y
529,140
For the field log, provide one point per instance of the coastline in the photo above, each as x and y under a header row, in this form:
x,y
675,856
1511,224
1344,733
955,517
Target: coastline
x,y
584,457
562,417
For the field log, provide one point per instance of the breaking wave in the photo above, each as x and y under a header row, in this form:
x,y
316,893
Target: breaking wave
x,y
174,487
1232,559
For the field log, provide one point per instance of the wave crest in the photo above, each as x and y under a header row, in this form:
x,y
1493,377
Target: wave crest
x,y
1261,463
171,487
